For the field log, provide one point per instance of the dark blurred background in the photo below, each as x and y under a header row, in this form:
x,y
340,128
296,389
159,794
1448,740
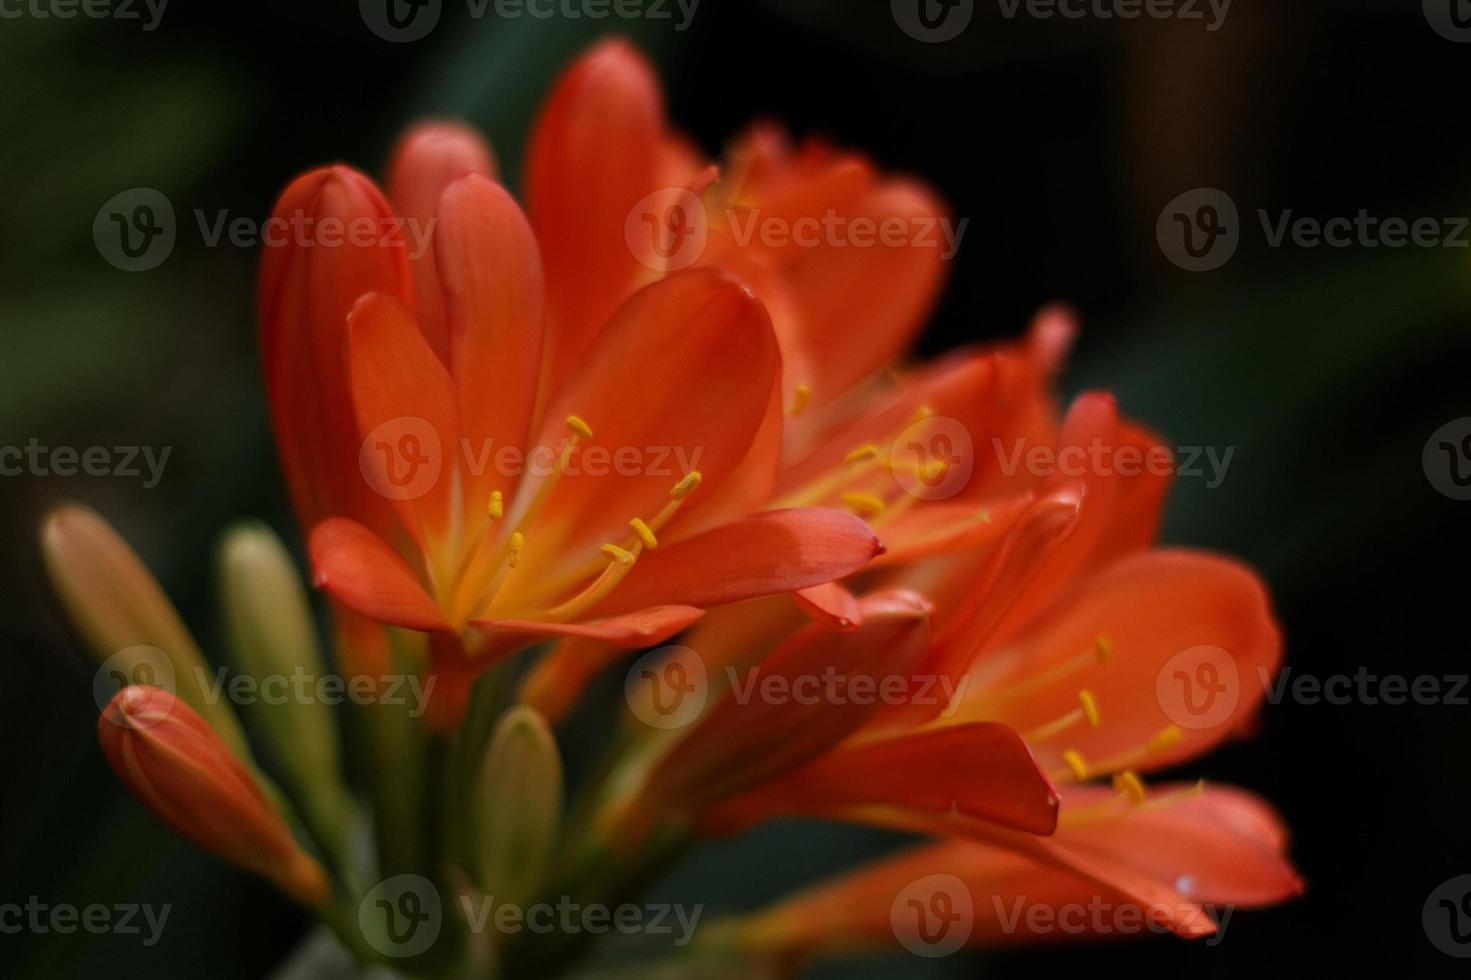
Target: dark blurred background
x,y
1061,141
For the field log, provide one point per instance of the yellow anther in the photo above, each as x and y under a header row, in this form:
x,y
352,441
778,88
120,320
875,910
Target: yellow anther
x,y
1074,760
863,504
1168,737
933,470
1090,707
1103,646
862,453
686,486
496,509
578,426
800,398
513,548
1129,783
620,555
645,534
922,413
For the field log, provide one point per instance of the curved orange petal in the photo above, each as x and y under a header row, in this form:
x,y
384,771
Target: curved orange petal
x,y
596,150
428,158
355,567
641,628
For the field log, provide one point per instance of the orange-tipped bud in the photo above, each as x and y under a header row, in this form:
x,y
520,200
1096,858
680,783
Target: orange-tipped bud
x,y
180,769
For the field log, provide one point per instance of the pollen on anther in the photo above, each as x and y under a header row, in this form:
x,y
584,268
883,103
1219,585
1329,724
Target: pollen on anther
x,y
863,504
1168,737
644,532
1074,760
800,398
578,426
620,555
686,486
862,453
1090,707
1103,646
1129,783
513,548
496,509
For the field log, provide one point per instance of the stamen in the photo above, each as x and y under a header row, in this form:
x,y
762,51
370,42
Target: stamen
x,y
513,548
1168,738
496,509
800,398
618,554
1086,711
1075,763
686,486
578,426
1104,648
1100,653
863,504
869,451
1129,784
1090,707
644,532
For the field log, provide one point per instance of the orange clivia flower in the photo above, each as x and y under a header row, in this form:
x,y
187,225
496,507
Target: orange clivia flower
x,y
180,769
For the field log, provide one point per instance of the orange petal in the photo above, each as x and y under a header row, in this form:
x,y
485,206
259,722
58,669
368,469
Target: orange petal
x,y
1193,646
305,295
179,768
680,381
832,604
778,551
493,291
644,627
358,569
406,412
749,738
983,771
595,152
428,158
